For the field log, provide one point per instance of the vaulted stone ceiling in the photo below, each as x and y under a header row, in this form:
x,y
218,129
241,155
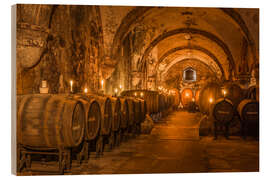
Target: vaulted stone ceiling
x,y
160,36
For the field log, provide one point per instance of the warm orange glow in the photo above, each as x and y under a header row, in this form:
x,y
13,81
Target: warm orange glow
x,y
187,94
116,90
85,90
102,83
224,92
135,94
211,100
141,94
71,83
120,86
193,100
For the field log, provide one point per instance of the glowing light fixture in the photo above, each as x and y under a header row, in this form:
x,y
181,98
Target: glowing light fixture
x,y
141,94
85,90
211,100
224,92
135,94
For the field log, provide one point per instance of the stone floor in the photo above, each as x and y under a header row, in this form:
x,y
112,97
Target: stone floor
x,y
174,146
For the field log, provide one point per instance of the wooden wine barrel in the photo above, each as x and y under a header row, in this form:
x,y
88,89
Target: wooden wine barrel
x,y
253,93
143,109
209,91
116,109
138,109
46,121
161,102
186,97
93,114
106,113
124,113
248,110
234,93
131,111
197,96
223,110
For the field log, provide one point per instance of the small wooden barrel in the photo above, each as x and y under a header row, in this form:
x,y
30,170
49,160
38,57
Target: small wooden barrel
x,y
223,110
143,109
186,97
161,102
248,110
138,109
131,111
210,91
124,113
106,113
93,114
116,109
46,121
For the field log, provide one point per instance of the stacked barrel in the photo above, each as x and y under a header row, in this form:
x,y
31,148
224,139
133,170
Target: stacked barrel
x,y
75,127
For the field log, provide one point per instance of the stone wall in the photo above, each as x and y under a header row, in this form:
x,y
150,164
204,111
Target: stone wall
x,y
68,47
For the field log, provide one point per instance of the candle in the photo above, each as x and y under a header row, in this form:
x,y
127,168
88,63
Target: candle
x,y
85,90
115,90
71,83
102,84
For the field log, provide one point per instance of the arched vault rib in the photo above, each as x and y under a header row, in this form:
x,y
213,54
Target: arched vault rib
x,y
206,34
138,12
210,54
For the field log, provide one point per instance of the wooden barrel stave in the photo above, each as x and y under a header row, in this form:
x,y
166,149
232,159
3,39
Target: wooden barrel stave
x,y
116,109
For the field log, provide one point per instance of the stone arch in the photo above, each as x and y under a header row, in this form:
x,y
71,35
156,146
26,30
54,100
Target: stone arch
x,y
210,54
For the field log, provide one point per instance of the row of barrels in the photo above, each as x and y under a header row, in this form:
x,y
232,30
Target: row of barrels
x,y
155,102
207,95
73,126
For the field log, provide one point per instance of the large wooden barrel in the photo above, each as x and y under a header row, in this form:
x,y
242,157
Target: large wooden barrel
x,y
106,113
186,97
116,109
208,95
223,110
234,93
124,113
92,114
253,93
131,111
248,110
46,121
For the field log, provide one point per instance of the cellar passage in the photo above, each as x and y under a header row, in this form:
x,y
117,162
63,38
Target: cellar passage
x,y
152,89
